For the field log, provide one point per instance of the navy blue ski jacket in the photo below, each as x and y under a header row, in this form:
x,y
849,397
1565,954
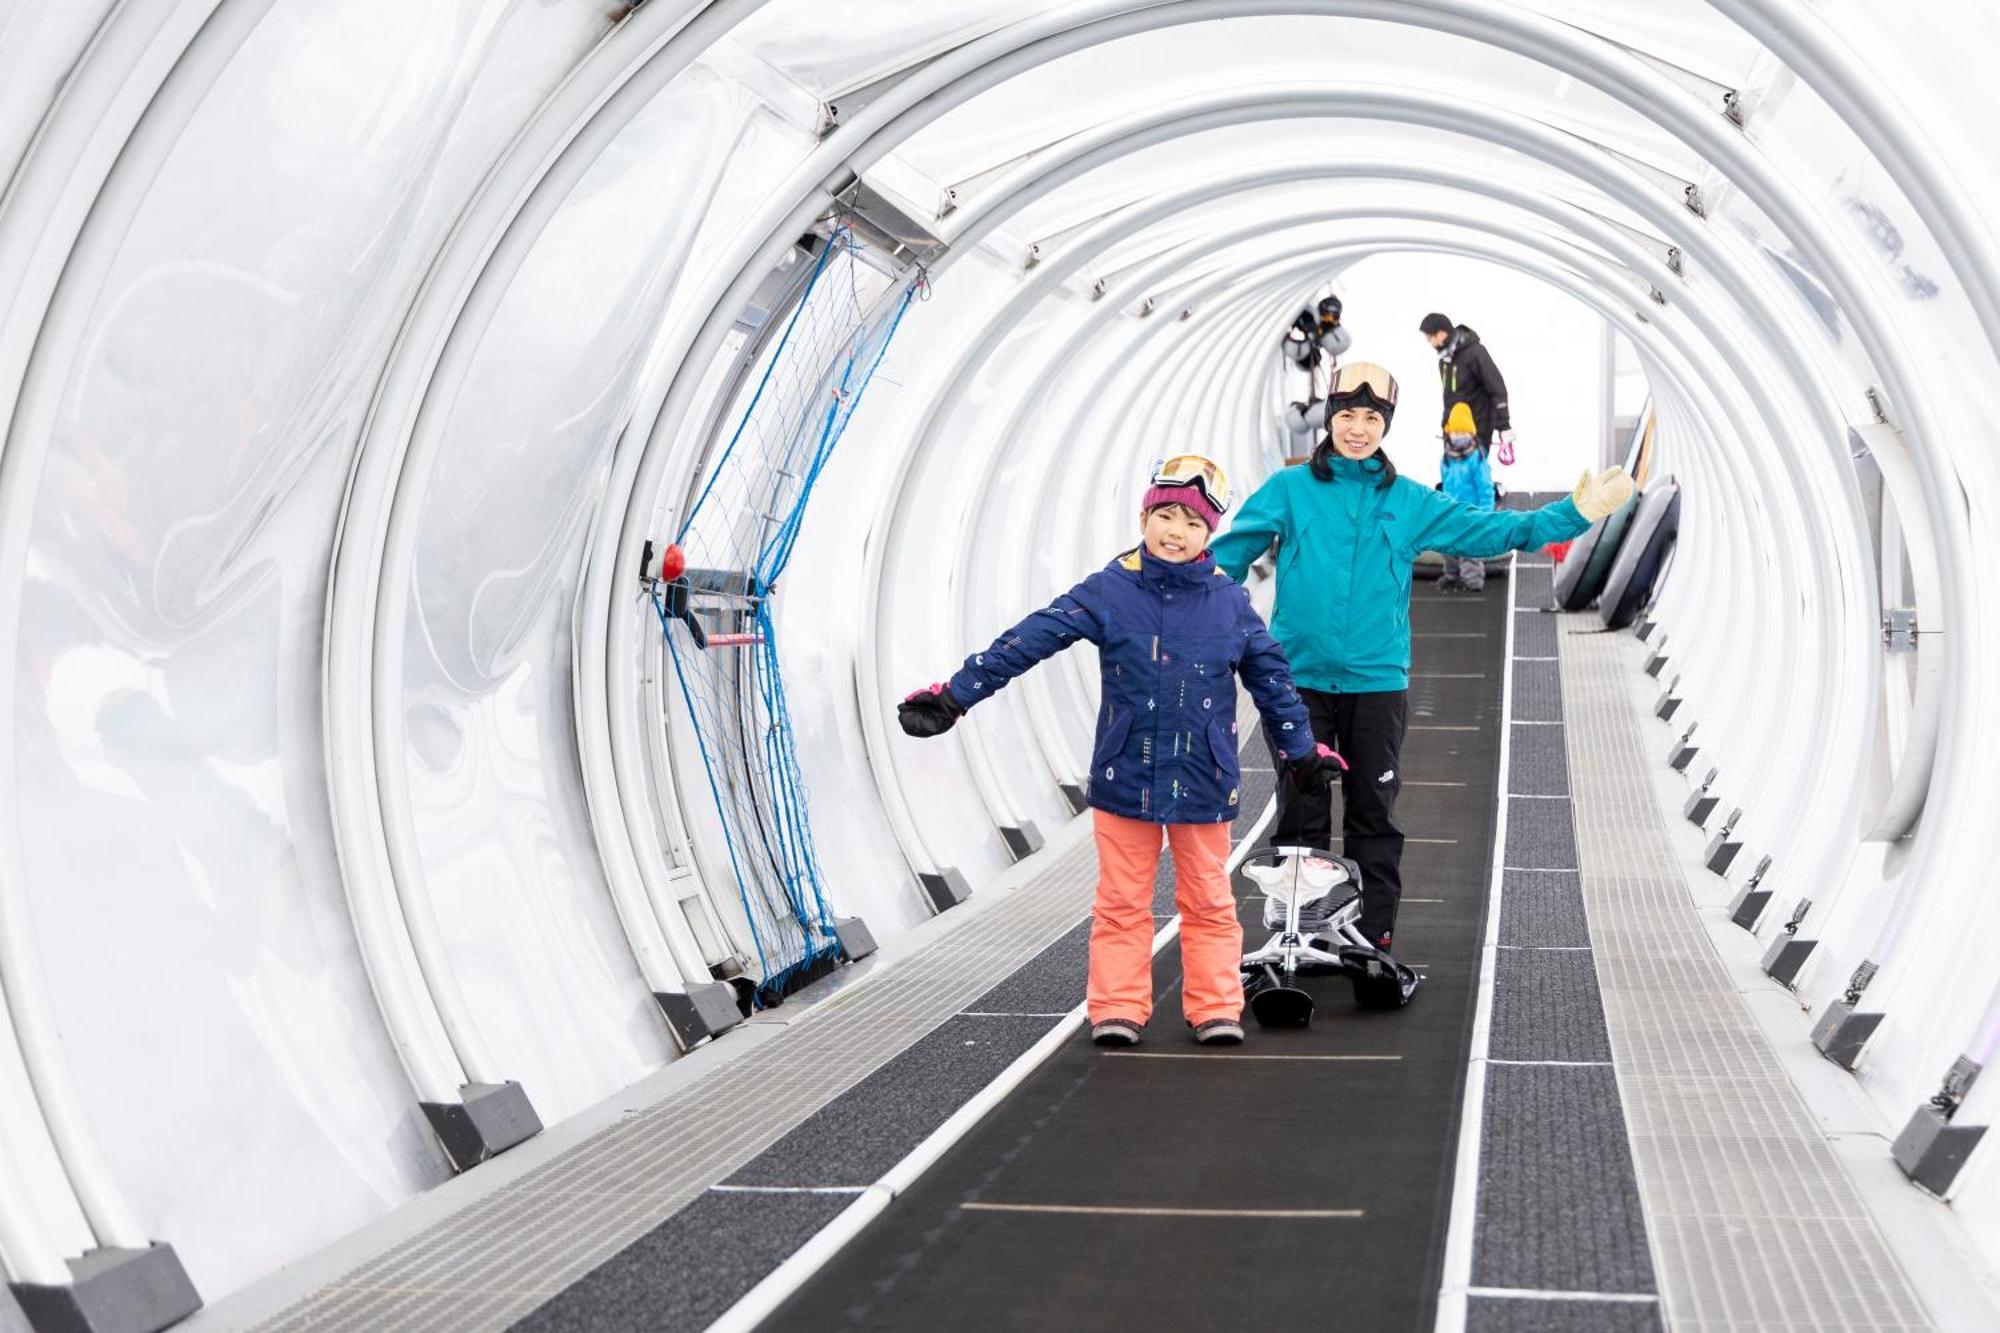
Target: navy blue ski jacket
x,y
1170,638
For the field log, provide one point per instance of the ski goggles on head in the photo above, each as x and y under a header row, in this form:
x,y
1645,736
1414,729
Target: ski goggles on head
x,y
1363,377
1198,472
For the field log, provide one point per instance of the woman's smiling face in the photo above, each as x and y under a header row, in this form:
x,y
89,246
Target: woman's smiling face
x,y
1357,431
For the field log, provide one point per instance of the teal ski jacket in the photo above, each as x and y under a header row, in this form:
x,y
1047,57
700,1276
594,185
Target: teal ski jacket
x,y
1344,553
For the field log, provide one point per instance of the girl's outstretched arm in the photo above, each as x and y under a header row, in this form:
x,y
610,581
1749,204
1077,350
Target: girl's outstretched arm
x,y
1043,634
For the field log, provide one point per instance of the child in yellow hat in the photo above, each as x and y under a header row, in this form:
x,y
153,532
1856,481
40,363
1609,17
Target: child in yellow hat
x,y
1466,479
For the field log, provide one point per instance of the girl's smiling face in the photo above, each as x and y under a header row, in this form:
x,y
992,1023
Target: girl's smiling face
x,y
1357,431
1173,533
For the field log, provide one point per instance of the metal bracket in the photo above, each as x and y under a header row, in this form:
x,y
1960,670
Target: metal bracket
x,y
1732,107
947,203
1723,847
888,227
1097,290
1683,750
1700,803
946,888
1958,1081
1034,256
1675,261
111,1290
1788,953
1899,629
1695,204
1750,900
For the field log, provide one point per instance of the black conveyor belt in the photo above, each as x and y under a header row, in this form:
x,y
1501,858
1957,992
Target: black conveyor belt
x,y
1147,1190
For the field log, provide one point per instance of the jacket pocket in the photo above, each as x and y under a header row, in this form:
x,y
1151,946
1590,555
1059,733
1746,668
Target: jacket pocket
x,y
1222,744
1111,734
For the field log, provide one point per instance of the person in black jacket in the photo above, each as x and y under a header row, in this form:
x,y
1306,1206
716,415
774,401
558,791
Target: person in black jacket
x,y
1468,375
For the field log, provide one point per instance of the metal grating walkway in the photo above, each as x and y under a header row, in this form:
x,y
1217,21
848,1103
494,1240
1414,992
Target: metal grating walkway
x,y
492,1263
1753,1223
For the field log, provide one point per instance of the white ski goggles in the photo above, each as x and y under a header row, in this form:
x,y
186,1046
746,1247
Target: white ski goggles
x,y
1201,473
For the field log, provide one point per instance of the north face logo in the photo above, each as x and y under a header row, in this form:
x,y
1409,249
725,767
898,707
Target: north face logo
x,y
1386,778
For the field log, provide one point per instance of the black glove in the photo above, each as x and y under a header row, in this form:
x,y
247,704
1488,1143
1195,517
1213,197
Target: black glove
x,y
929,712
1314,774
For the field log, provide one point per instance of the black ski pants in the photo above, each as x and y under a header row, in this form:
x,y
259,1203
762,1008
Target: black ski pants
x,y
1367,729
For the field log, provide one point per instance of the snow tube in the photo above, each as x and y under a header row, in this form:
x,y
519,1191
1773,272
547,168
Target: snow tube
x,y
1649,544
1580,576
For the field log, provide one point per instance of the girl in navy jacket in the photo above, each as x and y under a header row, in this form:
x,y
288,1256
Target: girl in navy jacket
x,y
1172,633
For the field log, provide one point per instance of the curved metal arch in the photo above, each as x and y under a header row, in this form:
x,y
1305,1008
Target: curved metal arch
x,y
1050,273
1627,323
1832,427
1741,277
1803,42
171,66
1242,322
955,76
1114,400
1034,689
1675,377
886,530
440,338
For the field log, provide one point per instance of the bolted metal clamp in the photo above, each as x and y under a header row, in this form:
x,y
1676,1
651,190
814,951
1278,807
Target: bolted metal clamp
x,y
1842,1032
1700,804
1750,900
1788,953
1669,702
1684,750
1722,848
1932,1148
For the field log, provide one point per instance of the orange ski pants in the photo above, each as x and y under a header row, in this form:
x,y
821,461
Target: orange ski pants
x,y
1121,926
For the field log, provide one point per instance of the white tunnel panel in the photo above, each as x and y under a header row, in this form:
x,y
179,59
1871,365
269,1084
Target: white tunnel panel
x,y
169,806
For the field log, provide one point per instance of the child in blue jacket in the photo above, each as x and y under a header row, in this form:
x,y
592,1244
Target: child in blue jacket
x,y
1172,633
1347,528
1464,477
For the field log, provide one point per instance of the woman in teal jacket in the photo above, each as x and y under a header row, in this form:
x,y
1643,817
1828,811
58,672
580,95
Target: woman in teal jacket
x,y
1347,529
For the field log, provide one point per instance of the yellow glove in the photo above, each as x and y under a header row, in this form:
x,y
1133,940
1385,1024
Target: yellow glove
x,y
1602,494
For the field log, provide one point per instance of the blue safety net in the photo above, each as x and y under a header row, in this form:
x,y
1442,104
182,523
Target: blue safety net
x,y
737,538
